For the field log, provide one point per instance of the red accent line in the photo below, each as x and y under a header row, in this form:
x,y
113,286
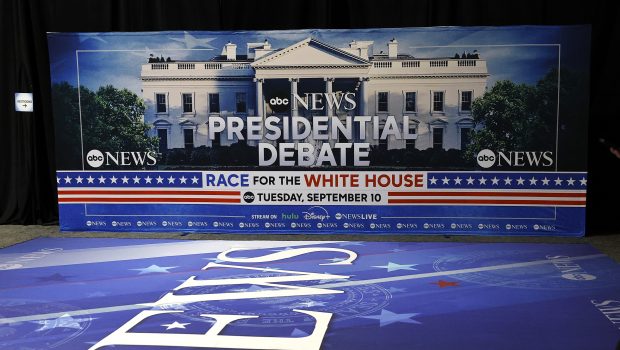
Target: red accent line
x,y
485,194
177,192
153,200
484,201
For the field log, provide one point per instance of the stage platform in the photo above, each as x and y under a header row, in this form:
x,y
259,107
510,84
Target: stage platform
x,y
81,293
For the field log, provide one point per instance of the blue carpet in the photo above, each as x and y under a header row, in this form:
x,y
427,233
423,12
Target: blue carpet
x,y
80,293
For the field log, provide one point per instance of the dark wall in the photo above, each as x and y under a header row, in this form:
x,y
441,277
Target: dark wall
x,y
27,186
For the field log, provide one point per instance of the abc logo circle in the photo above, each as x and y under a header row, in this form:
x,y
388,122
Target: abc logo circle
x,y
453,226
94,158
399,225
486,158
276,101
338,216
345,225
248,197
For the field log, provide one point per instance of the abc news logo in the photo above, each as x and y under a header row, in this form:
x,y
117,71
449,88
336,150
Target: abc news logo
x,y
248,197
487,158
96,158
277,101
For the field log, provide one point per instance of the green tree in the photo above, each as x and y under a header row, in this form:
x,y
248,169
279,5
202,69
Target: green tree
x,y
66,111
112,121
516,117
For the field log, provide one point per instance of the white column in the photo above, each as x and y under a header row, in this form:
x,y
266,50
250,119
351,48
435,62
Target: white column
x,y
260,100
328,90
362,96
293,101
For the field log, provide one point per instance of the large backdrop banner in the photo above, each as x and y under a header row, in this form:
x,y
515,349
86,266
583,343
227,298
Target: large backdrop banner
x,y
447,130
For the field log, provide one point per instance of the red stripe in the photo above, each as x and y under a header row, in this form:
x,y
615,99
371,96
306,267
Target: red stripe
x,y
484,201
153,200
486,194
177,192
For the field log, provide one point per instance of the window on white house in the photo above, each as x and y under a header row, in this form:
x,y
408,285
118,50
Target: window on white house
x,y
188,138
410,143
438,98
466,97
382,101
410,101
162,134
240,101
214,103
437,138
162,107
188,103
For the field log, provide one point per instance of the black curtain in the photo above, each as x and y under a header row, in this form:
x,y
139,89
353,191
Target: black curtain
x,y
27,179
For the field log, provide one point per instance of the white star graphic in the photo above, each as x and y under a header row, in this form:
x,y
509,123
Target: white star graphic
x,y
470,180
545,181
125,179
494,180
395,267
67,180
113,179
311,303
457,180
558,181
64,321
483,181
101,179
570,181
136,180
90,179
183,179
174,324
191,41
520,180
387,318
148,179
79,179
154,269
445,180
171,180
583,181
507,181
57,180
160,179
433,180
194,180
533,181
